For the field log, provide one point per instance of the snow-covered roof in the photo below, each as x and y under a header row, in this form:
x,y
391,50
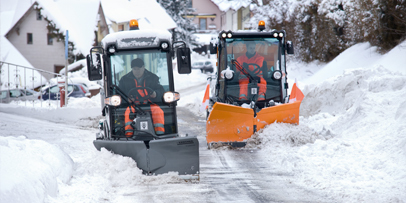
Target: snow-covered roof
x,y
8,52
126,39
225,5
77,16
148,13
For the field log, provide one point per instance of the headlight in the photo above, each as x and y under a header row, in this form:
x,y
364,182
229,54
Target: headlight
x,y
229,35
277,75
170,97
113,101
224,35
164,45
281,34
275,34
112,49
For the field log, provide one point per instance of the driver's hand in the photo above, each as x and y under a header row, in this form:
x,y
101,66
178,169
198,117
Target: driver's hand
x,y
153,95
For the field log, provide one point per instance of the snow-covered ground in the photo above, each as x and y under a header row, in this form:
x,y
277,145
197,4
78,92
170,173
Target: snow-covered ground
x,y
350,143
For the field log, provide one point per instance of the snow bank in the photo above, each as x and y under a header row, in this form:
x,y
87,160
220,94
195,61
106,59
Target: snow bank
x,y
365,56
44,166
85,112
350,142
394,60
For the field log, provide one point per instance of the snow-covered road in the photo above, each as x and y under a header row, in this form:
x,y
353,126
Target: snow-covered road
x,y
99,176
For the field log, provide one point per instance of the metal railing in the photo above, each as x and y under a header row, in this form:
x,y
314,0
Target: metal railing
x,y
13,76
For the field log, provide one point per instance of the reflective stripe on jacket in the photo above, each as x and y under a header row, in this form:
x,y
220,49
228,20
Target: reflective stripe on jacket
x,y
156,112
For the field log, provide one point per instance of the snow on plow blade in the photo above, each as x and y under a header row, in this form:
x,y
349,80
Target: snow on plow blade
x,y
175,154
234,124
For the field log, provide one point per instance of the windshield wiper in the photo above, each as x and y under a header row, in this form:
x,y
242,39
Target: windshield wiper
x,y
126,98
242,69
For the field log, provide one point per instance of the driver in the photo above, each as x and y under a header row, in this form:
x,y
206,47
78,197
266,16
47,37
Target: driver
x,y
251,57
139,77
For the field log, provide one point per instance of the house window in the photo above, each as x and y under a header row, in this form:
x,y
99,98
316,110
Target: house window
x,y
29,38
39,16
58,68
121,27
50,39
203,23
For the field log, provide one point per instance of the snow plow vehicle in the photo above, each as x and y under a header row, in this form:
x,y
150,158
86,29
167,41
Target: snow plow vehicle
x,y
140,121
251,89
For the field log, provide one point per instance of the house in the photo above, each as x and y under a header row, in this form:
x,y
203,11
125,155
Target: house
x,y
235,15
212,16
39,32
206,14
216,15
115,16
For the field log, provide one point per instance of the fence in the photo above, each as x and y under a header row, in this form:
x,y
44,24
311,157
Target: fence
x,y
26,85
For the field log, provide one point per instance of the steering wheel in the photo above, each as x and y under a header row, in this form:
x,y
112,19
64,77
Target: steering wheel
x,y
256,70
134,93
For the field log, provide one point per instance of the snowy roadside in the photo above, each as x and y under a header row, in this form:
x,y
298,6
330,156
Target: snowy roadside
x,y
350,143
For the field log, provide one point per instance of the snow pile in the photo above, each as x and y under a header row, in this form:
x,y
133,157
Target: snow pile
x,y
366,56
85,112
107,172
351,132
31,169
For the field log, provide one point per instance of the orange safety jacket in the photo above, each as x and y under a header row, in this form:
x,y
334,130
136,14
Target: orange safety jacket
x,y
156,111
243,81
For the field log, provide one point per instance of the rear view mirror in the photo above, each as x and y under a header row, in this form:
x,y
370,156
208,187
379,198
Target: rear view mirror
x,y
183,59
289,47
94,65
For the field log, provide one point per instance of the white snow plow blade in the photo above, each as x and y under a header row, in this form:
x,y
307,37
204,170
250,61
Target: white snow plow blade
x,y
162,156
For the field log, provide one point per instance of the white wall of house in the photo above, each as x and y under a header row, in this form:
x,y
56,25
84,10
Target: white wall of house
x,y
39,53
246,15
236,19
229,20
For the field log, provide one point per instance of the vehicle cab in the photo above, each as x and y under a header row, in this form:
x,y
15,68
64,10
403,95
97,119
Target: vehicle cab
x,y
154,47
269,45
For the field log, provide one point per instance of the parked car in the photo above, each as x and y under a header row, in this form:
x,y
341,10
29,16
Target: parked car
x,y
6,96
198,65
204,66
74,90
208,67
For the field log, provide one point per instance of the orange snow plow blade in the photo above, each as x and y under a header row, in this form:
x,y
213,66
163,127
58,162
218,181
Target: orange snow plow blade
x,y
284,113
228,123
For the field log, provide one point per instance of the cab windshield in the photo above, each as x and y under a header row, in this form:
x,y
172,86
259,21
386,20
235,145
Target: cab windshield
x,y
259,57
155,63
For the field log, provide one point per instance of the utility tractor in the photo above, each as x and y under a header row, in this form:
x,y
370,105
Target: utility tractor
x,y
154,153
251,90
